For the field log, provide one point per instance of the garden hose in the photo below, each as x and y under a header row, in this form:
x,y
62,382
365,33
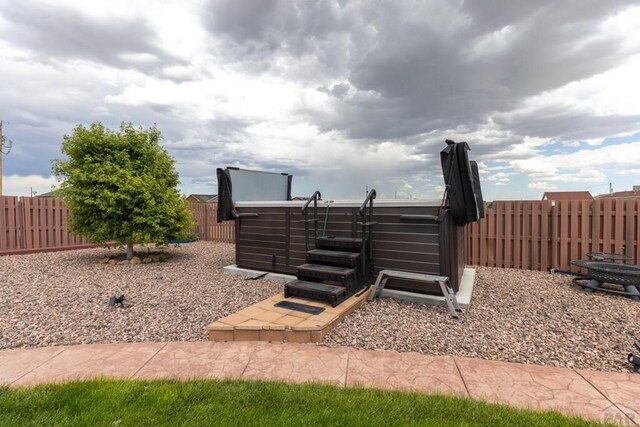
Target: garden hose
x,y
326,217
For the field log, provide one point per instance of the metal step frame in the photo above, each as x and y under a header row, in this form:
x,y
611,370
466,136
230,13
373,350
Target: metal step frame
x,y
442,281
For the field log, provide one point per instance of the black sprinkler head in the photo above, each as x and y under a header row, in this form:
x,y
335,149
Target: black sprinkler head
x,y
637,345
635,360
116,300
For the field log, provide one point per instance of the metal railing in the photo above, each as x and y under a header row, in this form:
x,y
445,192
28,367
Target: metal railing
x,y
314,198
367,224
368,199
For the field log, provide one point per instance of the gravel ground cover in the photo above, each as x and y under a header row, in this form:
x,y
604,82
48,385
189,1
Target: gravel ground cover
x,y
61,298
515,316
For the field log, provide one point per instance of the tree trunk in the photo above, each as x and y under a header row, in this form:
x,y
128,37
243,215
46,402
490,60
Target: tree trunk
x,y
129,251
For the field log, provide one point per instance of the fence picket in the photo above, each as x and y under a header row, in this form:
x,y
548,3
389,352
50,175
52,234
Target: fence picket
x,y
562,235
636,235
13,226
4,223
607,227
585,221
535,219
508,215
554,227
633,230
619,216
483,237
575,217
517,234
499,236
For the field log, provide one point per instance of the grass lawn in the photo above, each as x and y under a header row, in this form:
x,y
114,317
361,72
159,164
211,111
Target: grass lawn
x,y
233,402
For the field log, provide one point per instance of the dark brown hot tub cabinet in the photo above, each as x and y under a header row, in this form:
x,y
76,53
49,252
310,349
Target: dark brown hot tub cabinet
x,y
408,236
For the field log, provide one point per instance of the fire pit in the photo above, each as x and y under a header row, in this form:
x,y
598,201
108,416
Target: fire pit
x,y
605,256
599,273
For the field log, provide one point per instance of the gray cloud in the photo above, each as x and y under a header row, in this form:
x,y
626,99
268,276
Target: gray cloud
x,y
328,34
243,20
424,75
57,33
563,125
422,66
407,72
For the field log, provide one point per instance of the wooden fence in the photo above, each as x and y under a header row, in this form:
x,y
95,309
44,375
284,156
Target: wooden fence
x,y
28,223
207,228
538,235
534,235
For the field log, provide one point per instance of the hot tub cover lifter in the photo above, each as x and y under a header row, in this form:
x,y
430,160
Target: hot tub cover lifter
x,y
462,180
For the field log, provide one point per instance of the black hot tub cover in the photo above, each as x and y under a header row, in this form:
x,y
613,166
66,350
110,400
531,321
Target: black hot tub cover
x,y
225,202
463,193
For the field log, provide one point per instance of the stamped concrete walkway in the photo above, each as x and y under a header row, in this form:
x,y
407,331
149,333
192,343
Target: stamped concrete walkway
x,y
603,396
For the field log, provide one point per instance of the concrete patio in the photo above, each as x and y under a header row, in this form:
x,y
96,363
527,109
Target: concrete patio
x,y
602,396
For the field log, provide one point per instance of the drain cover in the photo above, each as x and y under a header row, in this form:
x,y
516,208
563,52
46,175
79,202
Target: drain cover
x,y
299,307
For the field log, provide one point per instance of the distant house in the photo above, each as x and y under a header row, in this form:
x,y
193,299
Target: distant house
x,y
202,198
300,198
48,194
632,194
567,195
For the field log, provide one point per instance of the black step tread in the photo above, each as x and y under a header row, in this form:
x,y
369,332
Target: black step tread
x,y
327,269
316,287
347,244
336,254
340,239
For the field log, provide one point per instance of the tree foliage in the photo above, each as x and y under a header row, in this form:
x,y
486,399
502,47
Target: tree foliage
x,y
121,186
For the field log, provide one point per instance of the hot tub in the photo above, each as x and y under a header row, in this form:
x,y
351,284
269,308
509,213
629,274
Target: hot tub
x,y
409,236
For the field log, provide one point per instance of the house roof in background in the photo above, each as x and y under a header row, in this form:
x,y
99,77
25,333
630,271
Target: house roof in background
x,y
567,195
620,195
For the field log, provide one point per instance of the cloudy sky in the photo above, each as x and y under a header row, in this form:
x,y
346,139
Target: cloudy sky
x,y
341,94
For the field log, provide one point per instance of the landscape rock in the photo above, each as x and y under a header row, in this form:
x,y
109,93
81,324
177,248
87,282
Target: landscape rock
x,y
60,298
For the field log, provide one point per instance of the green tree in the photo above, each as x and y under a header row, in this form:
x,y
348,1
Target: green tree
x,y
121,186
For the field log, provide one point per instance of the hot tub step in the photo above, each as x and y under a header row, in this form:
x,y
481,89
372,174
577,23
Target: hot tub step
x,y
315,291
339,258
350,244
319,272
